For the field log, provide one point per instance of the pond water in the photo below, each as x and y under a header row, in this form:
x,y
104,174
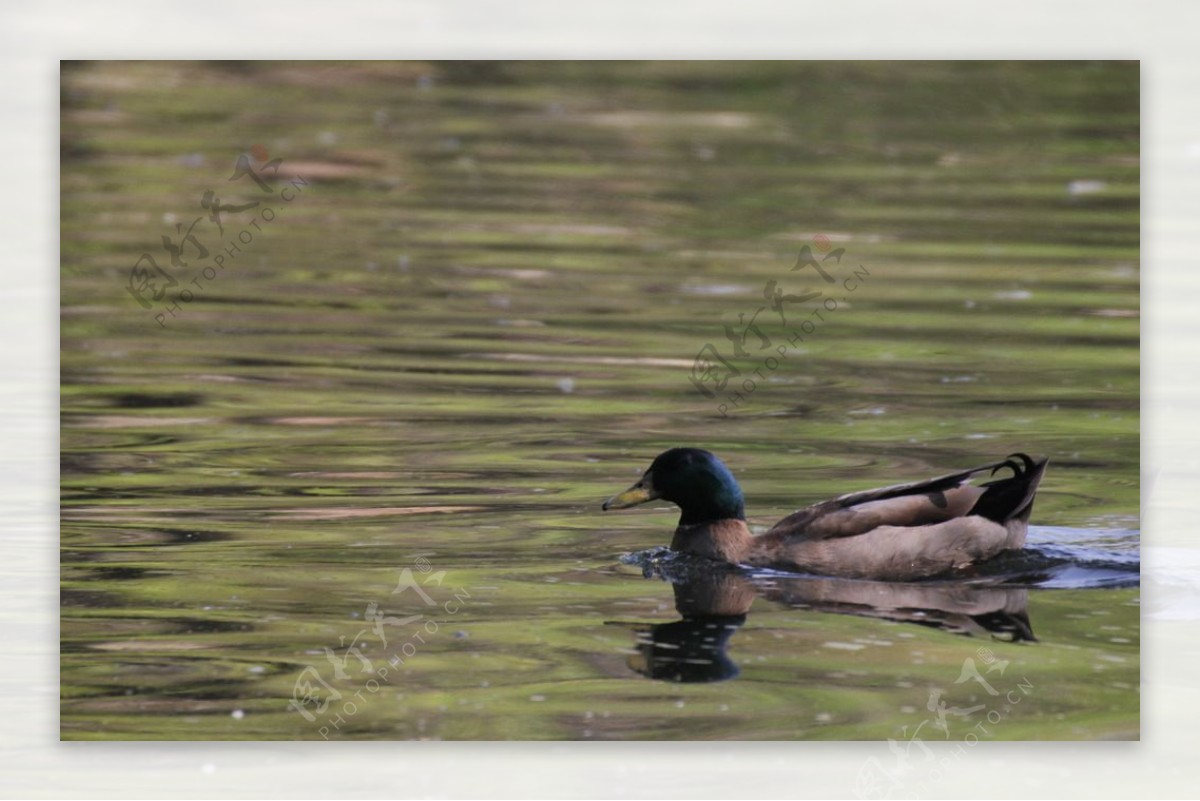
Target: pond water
x,y
349,485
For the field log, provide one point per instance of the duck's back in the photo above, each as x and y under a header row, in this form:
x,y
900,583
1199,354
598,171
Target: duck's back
x,y
908,531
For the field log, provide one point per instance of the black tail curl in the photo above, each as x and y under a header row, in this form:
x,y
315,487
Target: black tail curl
x,y
1011,498
1025,466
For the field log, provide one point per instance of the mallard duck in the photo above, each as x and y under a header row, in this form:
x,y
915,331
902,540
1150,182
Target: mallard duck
x,y
898,533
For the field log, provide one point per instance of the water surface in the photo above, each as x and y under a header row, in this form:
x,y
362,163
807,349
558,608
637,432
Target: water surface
x,y
476,312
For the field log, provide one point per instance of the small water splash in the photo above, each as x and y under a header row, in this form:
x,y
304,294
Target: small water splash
x,y
1056,557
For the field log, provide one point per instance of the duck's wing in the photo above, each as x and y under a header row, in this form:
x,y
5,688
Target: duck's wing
x,y
919,503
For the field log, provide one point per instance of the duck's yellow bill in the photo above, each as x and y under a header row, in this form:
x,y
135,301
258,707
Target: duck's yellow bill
x,y
638,493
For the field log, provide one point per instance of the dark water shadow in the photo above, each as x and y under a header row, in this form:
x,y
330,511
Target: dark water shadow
x,y
714,601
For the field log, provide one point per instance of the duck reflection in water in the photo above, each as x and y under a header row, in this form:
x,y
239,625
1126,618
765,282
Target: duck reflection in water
x,y
713,605
714,601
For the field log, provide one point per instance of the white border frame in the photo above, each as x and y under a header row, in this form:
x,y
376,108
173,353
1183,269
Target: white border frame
x,y
1163,35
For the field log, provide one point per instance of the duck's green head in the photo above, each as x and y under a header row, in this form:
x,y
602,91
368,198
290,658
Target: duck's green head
x,y
693,479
